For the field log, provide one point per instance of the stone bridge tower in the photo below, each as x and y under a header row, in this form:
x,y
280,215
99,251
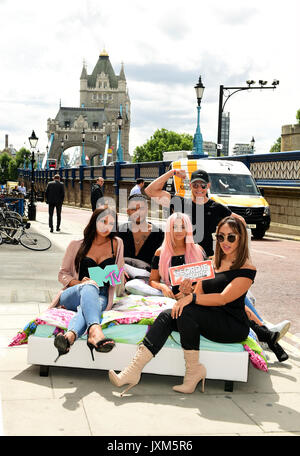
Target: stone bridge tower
x,y
102,95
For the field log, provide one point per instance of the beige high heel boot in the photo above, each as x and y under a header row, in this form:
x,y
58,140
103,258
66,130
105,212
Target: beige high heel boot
x,y
194,372
131,374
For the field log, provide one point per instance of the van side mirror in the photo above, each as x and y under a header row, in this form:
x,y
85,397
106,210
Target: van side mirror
x,y
262,191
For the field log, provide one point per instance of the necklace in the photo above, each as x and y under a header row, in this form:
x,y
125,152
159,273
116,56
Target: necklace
x,y
142,240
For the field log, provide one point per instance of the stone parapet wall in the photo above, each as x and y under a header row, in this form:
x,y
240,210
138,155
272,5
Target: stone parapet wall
x,y
290,137
285,209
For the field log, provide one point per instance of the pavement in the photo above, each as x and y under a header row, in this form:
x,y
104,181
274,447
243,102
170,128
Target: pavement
x,y
78,402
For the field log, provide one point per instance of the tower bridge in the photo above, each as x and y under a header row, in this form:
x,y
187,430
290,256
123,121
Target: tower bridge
x,y
103,95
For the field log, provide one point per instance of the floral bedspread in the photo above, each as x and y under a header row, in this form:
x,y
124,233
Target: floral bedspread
x,y
126,310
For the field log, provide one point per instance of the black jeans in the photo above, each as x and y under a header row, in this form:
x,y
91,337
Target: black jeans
x,y
58,214
213,324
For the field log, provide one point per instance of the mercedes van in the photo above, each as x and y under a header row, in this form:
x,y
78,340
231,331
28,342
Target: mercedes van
x,y
232,185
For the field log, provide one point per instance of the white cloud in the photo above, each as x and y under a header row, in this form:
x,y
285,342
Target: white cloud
x,y
165,46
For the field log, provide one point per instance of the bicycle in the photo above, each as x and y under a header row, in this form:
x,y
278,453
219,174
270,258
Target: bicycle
x,y
4,208
13,231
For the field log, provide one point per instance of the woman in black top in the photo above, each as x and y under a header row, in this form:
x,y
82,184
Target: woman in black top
x,y
99,248
216,310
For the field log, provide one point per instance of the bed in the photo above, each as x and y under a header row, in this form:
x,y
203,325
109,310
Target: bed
x,y
127,323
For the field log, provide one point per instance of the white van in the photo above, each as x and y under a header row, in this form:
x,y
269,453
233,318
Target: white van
x,y
232,185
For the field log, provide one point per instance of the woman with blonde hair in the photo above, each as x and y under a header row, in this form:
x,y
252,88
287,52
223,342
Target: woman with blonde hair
x,y
177,248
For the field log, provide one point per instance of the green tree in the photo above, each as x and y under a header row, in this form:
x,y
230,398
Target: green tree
x,y
276,146
298,116
13,170
5,159
162,141
22,154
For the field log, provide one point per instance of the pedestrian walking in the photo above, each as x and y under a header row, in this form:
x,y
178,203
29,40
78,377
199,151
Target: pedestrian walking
x,y
137,189
97,194
55,194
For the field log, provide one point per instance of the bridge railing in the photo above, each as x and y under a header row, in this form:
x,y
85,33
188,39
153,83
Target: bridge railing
x,y
272,169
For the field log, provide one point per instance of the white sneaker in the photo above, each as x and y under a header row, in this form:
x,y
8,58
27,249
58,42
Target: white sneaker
x,y
281,327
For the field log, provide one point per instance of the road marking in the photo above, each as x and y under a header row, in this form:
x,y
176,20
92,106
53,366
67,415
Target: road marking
x,y
267,253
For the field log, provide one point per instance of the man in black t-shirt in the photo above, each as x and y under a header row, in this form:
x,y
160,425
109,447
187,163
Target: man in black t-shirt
x,y
141,239
205,214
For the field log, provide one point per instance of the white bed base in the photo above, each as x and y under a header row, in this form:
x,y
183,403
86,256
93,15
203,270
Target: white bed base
x,y
227,366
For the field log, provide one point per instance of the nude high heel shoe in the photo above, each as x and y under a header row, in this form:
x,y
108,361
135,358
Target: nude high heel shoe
x,y
131,374
194,372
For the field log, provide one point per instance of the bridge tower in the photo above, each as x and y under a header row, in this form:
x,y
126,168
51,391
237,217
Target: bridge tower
x,y
102,95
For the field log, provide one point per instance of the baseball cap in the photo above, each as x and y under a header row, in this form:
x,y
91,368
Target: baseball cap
x,y
200,174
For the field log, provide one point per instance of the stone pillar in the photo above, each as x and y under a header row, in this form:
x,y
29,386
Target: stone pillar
x,y
290,137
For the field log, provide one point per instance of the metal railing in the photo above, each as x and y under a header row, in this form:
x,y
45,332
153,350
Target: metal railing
x,y
272,169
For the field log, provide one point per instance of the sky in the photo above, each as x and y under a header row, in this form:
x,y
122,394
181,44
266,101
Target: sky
x,y
165,46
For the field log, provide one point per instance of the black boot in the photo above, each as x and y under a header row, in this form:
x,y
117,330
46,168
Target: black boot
x,y
270,337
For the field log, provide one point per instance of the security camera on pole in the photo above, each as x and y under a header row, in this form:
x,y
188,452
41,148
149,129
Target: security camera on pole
x,y
232,91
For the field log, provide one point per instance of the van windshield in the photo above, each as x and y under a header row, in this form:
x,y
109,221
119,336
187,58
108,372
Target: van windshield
x,y
233,184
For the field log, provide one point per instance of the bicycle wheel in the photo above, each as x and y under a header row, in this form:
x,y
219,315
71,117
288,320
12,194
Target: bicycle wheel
x,y
10,226
35,241
15,215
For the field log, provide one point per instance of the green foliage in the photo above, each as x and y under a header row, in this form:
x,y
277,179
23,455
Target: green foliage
x,y
20,155
276,146
10,165
162,141
298,116
5,159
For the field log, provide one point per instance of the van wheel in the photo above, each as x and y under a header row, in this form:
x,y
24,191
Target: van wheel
x,y
258,233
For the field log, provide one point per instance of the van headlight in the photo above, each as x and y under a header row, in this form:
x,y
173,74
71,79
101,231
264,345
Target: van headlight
x,y
267,210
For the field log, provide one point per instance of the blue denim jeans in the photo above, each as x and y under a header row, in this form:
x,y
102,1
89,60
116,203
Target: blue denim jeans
x,y
251,307
88,301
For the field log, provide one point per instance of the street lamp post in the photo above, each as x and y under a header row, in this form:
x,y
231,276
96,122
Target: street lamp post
x,y
32,206
198,140
46,162
62,163
83,162
120,150
252,142
232,91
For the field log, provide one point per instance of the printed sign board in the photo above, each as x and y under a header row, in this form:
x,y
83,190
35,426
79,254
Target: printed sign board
x,y
109,274
202,270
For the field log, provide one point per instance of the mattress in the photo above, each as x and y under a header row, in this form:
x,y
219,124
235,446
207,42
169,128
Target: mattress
x,y
134,334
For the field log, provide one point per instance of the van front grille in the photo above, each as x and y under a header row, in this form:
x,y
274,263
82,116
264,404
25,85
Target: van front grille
x,y
248,213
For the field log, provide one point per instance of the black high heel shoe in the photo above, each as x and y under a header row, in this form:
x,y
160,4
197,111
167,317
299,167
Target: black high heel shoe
x,y
103,346
265,335
62,344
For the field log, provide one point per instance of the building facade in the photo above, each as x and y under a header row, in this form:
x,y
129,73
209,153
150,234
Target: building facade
x,y
290,137
225,129
103,95
242,149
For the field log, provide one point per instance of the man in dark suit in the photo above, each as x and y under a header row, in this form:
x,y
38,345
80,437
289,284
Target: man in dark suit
x,y
55,194
97,194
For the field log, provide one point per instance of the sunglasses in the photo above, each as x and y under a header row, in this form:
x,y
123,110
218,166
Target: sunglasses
x,y
203,186
230,237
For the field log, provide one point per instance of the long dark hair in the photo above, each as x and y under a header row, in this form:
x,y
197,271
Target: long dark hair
x,y
90,232
239,228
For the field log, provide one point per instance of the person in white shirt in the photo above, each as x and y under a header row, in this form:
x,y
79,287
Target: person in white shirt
x,y
22,189
137,189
